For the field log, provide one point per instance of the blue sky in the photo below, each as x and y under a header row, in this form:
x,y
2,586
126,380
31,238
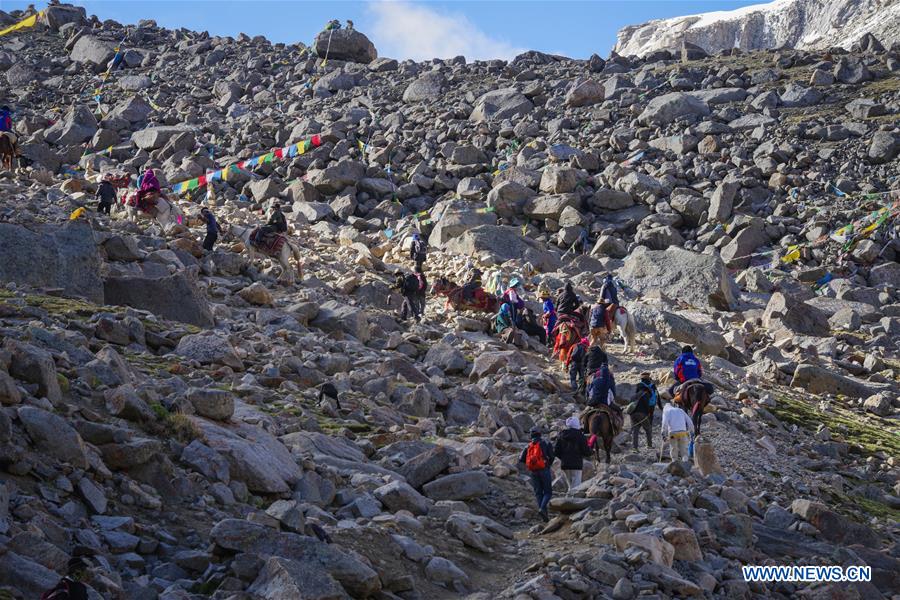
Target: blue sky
x,y
413,28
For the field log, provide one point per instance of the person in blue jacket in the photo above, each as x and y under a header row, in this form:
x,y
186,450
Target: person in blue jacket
x,y
687,366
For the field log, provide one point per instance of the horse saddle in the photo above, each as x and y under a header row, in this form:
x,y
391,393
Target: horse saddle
x,y
267,241
616,417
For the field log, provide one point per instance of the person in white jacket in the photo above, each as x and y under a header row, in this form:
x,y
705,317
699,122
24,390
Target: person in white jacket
x,y
678,428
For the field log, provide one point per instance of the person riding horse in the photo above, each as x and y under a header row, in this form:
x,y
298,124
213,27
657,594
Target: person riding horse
x,y
568,302
276,225
609,297
149,190
687,367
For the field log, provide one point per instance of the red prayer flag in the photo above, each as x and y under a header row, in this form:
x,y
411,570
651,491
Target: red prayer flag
x,y
201,180
316,141
279,152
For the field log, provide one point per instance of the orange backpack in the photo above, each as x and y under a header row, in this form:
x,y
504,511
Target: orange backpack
x,y
534,458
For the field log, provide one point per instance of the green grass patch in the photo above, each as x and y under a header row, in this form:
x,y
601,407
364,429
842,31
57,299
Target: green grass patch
x,y
862,508
865,434
181,427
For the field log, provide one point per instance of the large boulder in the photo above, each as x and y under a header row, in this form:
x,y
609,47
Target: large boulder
x,y
818,380
79,125
665,109
345,44
321,559
497,105
784,312
585,93
428,87
884,147
36,366
67,256
254,456
209,348
57,16
458,486
698,279
337,316
92,50
452,223
174,297
152,138
53,435
502,243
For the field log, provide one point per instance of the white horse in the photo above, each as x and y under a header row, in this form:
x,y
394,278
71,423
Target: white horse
x,y
167,212
288,250
624,322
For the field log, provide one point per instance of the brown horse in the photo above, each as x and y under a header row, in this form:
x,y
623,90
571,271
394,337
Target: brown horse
x,y
601,426
481,301
9,150
693,400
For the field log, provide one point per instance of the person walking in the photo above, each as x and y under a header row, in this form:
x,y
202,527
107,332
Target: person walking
x,y
212,229
538,456
418,251
646,397
677,428
106,194
572,448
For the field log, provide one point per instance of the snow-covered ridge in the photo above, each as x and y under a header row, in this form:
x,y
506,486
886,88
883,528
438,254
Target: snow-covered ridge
x,y
790,23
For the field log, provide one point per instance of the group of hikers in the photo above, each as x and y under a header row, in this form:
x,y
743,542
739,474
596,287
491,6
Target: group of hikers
x,y
572,445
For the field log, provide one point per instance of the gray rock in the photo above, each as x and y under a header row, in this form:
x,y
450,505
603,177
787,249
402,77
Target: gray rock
x,y
428,87
235,535
818,380
585,93
798,317
67,254
426,466
92,50
282,578
209,349
698,279
500,104
254,455
665,109
337,316
53,435
502,243
34,365
458,486
212,403
152,138
345,44
79,125
397,495
174,297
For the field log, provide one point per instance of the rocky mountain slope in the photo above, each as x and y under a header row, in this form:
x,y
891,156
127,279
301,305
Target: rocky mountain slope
x,y
802,24
163,408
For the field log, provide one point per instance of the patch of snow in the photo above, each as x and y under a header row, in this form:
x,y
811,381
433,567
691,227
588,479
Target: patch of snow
x,y
710,18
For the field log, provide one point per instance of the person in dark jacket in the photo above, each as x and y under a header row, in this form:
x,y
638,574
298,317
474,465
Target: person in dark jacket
x,y
596,357
576,365
418,251
421,291
277,221
571,449
646,396
602,387
541,480
408,285
568,301
212,229
106,194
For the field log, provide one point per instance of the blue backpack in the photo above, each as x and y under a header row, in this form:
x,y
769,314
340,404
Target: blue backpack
x,y
651,402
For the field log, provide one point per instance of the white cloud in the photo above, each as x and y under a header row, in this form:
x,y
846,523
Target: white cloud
x,y
407,30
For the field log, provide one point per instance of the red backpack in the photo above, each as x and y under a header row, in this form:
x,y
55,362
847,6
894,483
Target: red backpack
x,y
534,458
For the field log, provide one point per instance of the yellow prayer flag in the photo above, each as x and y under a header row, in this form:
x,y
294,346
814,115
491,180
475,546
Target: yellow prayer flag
x,y
24,23
792,255
76,213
